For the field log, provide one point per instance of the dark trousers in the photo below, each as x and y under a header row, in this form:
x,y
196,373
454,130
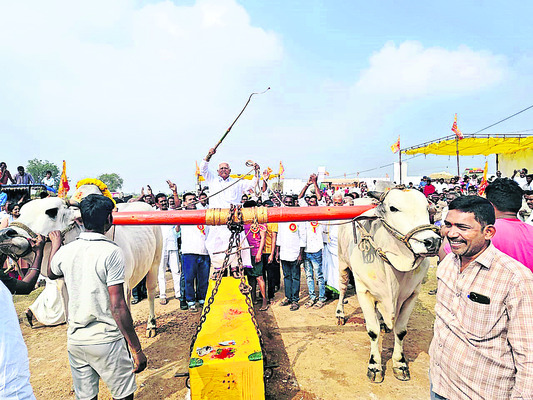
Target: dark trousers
x,y
139,291
272,275
291,279
195,266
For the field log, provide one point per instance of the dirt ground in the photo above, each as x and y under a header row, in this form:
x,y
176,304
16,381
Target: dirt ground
x,y
316,359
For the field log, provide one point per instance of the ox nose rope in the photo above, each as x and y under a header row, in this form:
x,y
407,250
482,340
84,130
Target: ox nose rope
x,y
367,240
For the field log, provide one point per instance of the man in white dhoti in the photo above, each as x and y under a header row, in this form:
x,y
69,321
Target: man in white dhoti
x,y
218,238
330,252
49,309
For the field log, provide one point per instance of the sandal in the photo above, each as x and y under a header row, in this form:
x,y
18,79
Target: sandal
x,y
285,302
295,306
264,308
310,303
320,304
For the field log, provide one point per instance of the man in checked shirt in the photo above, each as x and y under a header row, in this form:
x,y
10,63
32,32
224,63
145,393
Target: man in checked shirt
x,y
482,345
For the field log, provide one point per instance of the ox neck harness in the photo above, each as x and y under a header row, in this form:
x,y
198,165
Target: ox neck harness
x,y
33,235
368,242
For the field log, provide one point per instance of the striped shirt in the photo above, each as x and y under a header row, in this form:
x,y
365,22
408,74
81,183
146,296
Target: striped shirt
x,y
479,350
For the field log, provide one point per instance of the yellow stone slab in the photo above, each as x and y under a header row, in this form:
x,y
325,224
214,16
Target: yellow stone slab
x,y
227,372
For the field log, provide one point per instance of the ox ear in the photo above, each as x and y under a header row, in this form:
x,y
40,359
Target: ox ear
x,y
374,194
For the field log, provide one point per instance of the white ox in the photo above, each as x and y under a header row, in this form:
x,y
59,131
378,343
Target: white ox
x,y
387,285
141,244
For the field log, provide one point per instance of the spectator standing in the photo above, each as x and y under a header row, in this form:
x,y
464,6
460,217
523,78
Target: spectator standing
x,y
23,178
195,258
529,183
169,255
99,318
5,175
482,346
271,268
521,178
428,188
513,237
290,246
256,235
330,254
528,196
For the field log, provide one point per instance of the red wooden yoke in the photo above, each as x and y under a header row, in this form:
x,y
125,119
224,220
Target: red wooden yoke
x,y
219,216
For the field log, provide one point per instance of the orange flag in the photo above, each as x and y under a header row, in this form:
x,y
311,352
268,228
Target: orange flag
x,y
281,170
455,129
396,146
63,184
484,183
197,173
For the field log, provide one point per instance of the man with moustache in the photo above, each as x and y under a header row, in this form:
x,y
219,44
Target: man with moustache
x,y
482,346
230,194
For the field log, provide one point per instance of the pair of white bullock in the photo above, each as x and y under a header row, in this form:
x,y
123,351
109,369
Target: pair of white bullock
x,y
386,249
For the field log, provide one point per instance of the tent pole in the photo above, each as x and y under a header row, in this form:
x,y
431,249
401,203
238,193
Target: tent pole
x,y
400,162
497,162
457,153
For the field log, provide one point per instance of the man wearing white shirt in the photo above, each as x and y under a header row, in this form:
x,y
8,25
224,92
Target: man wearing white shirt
x,y
528,196
529,183
48,180
521,178
218,238
330,257
170,254
195,259
290,245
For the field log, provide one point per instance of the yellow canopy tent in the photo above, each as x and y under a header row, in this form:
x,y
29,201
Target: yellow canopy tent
x,y
512,151
473,146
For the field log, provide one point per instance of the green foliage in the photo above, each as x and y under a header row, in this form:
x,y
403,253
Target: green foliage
x,y
37,168
113,181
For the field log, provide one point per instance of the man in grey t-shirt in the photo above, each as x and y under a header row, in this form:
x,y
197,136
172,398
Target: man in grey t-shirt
x,y
99,318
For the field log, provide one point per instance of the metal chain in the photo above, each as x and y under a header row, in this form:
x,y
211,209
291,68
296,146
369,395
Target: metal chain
x,y
220,273
235,242
246,289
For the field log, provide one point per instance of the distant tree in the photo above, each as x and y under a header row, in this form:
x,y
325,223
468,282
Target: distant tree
x,y
37,168
113,181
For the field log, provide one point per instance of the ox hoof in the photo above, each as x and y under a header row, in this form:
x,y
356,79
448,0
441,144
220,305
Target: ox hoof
x,y
384,328
401,373
374,375
341,321
151,332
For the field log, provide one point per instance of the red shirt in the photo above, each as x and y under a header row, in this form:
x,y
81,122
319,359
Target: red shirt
x,y
428,189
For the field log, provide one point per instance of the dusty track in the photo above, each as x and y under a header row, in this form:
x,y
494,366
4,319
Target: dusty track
x,y
317,359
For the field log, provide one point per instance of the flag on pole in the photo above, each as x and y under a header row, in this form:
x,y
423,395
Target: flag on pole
x,y
396,146
281,170
455,129
484,183
63,184
197,172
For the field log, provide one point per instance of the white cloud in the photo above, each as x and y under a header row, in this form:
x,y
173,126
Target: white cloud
x,y
410,71
111,87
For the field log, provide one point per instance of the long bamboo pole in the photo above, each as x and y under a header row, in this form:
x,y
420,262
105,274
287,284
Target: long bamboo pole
x,y
219,216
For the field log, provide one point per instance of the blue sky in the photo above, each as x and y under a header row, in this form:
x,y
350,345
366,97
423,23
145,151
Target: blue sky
x,y
144,89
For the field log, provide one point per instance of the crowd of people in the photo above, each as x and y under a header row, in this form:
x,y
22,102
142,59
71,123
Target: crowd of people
x,y
493,233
